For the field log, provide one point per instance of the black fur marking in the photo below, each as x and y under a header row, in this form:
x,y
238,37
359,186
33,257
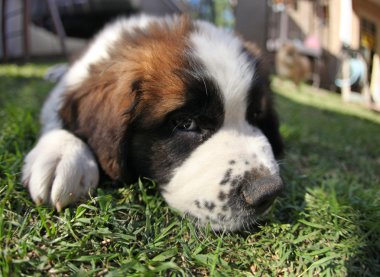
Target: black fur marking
x,y
232,162
235,181
227,177
222,196
209,205
225,208
197,204
260,112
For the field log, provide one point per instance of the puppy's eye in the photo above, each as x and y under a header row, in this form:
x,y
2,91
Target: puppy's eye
x,y
185,124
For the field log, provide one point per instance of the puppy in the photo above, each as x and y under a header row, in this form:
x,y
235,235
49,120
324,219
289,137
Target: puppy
x,y
179,101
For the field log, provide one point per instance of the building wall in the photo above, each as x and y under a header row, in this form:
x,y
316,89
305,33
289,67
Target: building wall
x,y
369,10
355,43
308,22
303,16
251,21
333,44
329,34
158,7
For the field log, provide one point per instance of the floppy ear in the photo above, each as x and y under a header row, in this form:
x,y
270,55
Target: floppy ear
x,y
261,109
269,124
99,111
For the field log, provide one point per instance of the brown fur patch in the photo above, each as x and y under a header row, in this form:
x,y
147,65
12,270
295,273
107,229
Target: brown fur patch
x,y
141,76
155,57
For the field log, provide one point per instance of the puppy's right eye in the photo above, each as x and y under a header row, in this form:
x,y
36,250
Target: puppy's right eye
x,y
185,124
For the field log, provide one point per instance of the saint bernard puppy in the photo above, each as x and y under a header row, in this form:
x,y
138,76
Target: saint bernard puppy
x,y
182,102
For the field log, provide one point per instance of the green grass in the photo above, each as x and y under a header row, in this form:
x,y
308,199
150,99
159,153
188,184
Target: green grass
x,y
326,223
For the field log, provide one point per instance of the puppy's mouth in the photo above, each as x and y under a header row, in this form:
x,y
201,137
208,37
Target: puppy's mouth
x,y
264,208
243,220
229,217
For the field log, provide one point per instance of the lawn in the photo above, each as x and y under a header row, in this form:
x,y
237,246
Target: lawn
x,y
326,223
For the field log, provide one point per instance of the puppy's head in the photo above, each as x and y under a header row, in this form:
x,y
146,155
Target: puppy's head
x,y
187,105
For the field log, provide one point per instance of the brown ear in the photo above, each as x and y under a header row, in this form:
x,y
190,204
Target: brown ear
x,y
270,126
99,112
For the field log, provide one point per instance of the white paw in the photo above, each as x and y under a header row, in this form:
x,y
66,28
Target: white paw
x,y
60,170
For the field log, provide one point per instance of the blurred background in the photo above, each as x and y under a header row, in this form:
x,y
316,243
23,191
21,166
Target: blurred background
x,y
331,44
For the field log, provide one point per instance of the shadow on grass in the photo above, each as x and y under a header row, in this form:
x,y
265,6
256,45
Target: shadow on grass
x,y
331,169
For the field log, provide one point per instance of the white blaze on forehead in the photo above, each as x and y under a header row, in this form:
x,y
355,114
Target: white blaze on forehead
x,y
222,55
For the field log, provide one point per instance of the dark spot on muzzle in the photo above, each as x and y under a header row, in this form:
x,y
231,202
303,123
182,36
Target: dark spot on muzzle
x,y
227,177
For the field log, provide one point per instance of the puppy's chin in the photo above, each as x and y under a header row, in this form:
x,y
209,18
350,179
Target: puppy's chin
x,y
243,221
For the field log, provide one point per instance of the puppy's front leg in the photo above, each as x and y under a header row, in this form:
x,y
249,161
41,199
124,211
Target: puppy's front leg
x,y
60,169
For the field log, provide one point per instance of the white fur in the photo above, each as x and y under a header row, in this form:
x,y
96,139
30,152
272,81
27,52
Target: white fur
x,y
60,169
221,53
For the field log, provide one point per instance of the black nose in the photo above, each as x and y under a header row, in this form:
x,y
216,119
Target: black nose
x,y
260,193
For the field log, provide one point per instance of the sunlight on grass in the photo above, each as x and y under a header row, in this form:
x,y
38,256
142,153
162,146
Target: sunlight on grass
x,y
322,99
25,71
